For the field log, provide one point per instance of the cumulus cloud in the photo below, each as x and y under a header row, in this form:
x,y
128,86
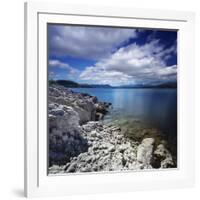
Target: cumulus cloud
x,y
87,42
62,65
133,64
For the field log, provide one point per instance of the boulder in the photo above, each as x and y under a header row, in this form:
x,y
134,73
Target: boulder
x,y
85,110
65,134
145,150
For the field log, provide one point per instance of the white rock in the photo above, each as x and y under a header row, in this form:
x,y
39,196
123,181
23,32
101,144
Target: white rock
x,y
145,150
164,155
111,148
93,133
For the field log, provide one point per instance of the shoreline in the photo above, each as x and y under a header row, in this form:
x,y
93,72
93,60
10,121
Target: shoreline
x,y
80,142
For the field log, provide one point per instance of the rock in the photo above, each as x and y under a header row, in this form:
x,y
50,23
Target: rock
x,y
105,152
111,148
94,99
98,116
167,163
65,135
77,143
101,108
122,148
86,169
114,128
103,146
89,126
67,111
93,133
85,109
163,156
145,150
148,141
72,167
95,146
57,112
56,169
68,164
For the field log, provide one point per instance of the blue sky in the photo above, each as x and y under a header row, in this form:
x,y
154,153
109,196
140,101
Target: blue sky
x,y
115,56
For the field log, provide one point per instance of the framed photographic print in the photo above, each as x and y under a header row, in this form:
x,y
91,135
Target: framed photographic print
x,y
109,99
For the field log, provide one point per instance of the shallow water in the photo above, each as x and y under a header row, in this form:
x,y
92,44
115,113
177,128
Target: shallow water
x,y
155,108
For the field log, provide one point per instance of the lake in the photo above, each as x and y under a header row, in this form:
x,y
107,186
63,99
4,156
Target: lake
x,y
155,108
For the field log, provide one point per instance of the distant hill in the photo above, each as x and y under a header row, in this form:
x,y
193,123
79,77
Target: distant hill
x,y
95,85
72,84
67,83
168,85
163,85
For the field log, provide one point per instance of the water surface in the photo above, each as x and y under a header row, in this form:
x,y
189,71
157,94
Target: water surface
x,y
155,108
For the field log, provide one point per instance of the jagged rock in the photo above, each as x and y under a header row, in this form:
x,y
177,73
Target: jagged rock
x,y
85,109
65,138
67,111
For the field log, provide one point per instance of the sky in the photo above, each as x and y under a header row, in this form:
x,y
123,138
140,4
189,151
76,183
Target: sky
x,y
110,55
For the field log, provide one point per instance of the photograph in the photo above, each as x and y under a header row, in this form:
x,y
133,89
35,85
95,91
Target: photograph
x,y
111,99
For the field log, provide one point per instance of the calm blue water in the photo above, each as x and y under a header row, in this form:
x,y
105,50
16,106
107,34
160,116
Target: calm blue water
x,y
156,107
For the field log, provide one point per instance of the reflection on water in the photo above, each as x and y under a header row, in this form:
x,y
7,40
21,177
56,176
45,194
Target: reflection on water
x,y
153,107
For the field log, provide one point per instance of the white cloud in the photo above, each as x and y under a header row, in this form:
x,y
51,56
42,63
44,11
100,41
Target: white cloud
x,y
62,65
53,75
133,64
87,42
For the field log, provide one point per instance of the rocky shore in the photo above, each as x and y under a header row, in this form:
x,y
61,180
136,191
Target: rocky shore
x,y
79,141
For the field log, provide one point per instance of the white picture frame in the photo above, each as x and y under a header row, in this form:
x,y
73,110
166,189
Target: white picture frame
x,y
37,183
